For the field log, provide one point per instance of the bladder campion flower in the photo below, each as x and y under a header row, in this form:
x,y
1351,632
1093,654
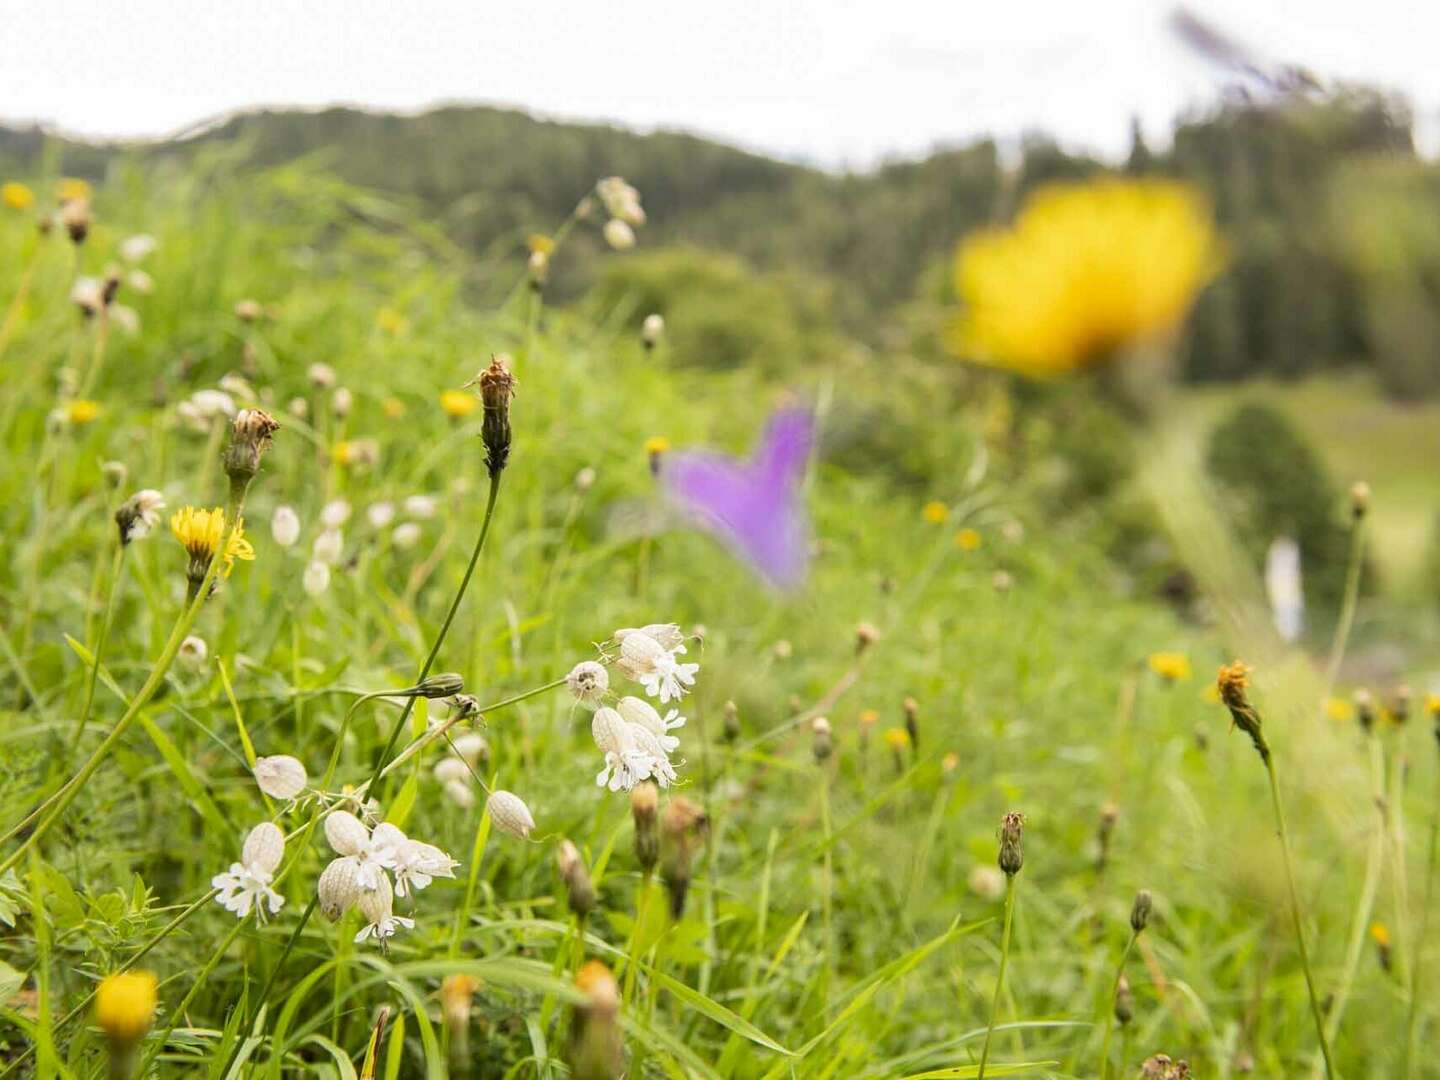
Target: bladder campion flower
x,y
1170,666
588,681
510,814
246,885
280,776
1085,272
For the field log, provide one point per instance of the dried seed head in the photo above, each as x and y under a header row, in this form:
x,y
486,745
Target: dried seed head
x,y
74,214
497,387
1012,857
342,401
823,742
1140,911
1124,1002
644,804
1365,709
1400,704
139,514
731,721
579,892
1233,683
510,814
250,437
280,776
588,681
1359,499
865,635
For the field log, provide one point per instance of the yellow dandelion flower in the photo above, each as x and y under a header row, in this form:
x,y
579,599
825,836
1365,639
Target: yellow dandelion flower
x,y
125,1005
1380,934
1211,694
17,196
201,533
1432,705
72,189
540,244
1339,709
1170,666
344,452
935,512
1086,271
390,321
81,410
968,540
457,404
869,717
656,444
897,738
393,408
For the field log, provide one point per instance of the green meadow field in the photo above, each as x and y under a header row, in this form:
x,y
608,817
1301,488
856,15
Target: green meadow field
x,y
981,629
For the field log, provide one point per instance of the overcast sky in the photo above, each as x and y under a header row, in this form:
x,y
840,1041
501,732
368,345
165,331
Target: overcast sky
x,y
828,81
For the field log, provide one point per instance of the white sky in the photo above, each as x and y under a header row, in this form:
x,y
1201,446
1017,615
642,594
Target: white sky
x,y
836,82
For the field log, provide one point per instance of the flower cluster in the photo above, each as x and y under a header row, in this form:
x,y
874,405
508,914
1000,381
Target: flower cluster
x,y
622,204
360,875
648,654
246,885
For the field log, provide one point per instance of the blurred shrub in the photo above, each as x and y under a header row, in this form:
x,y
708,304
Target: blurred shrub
x,y
719,313
1275,485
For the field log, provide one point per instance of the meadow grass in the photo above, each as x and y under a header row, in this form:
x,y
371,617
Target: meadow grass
x,y
845,914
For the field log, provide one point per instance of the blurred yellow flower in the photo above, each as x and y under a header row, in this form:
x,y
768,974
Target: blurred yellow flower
x,y
897,738
1432,705
1085,271
540,244
1380,934
125,1005
393,408
935,512
1339,709
200,533
457,403
656,444
17,196
968,540
81,410
390,321
1170,666
72,189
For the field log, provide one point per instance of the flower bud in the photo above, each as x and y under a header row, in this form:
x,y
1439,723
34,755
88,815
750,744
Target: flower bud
x,y
731,721
644,804
912,721
264,847
1233,683
285,526
1140,911
865,635
1124,1002
346,833
280,776
580,893
823,743
456,1001
497,387
684,823
652,330
125,1008
619,235
510,814
439,686
596,1051
1011,855
1359,499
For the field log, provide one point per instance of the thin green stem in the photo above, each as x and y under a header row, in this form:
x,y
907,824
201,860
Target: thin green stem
x,y
827,886
444,629
1412,1022
1110,1005
1347,607
99,654
158,1045
17,304
1316,1010
1000,975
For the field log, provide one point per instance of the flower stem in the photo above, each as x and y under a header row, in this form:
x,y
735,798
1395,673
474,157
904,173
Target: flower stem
x,y
1110,1005
1347,607
1315,1009
158,1045
99,654
444,629
12,314
1412,1023
1000,975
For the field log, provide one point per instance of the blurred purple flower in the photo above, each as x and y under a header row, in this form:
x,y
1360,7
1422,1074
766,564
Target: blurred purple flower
x,y
752,506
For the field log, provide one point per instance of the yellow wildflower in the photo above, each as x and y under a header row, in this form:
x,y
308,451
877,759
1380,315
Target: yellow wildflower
x,y
72,189
17,196
390,321
1170,666
656,444
1432,705
935,512
968,540
125,1005
540,244
1339,709
1380,934
81,410
897,738
201,532
1086,271
393,408
457,403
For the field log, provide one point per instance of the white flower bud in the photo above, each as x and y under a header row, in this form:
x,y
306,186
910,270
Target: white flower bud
x,y
668,636
510,814
298,408
619,235
264,848
193,652
448,769
285,526
341,402
280,776
377,904
471,746
610,731
346,833
652,329
317,577
335,514
588,681
406,535
380,514
460,793
134,248
339,886
321,376
328,546
421,507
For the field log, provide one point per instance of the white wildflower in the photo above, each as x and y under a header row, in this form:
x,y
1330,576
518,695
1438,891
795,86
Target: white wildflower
x,y
134,248
193,652
451,768
125,318
1284,587
335,513
510,814
138,281
380,514
471,746
246,885
88,294
588,681
652,330
321,376
653,664
378,906
421,507
417,864
339,886
341,402
285,526
348,836
625,765
640,712
460,793
619,235
647,745
329,546
140,514
280,776
406,535
317,577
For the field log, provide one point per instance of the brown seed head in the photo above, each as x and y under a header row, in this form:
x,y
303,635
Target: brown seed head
x,y
1012,857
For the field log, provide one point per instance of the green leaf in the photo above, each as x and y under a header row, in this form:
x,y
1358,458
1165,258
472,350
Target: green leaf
x,y
715,1011
10,982
961,1072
